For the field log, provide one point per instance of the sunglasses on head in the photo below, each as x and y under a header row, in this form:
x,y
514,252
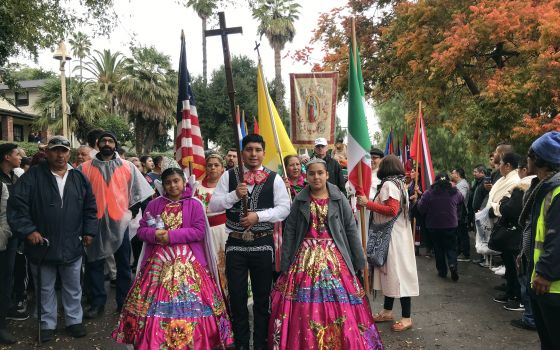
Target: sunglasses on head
x,y
59,142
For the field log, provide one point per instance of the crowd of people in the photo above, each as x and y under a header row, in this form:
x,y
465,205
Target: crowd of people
x,y
186,257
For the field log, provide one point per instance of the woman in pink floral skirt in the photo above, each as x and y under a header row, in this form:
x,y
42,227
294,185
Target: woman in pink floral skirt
x,y
318,302
174,302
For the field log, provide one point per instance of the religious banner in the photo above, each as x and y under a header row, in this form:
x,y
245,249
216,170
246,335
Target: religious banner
x,y
313,107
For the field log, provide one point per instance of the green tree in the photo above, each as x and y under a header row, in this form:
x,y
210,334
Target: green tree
x,y
276,22
116,124
81,46
107,70
23,72
212,101
487,67
26,27
147,92
86,107
204,9
448,148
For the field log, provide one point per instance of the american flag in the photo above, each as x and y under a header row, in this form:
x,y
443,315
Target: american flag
x,y
189,149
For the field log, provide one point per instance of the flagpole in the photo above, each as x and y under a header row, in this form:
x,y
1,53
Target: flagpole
x,y
360,178
417,145
418,153
273,122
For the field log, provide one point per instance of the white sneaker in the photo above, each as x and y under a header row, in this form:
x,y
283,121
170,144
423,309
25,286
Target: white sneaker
x,y
496,268
500,271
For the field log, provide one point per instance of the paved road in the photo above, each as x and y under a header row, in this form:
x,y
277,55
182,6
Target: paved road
x,y
447,315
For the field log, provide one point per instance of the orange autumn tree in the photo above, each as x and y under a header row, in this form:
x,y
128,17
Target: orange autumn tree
x,y
488,67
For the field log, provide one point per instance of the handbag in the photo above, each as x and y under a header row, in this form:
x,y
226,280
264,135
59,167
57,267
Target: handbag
x,y
504,237
379,238
484,225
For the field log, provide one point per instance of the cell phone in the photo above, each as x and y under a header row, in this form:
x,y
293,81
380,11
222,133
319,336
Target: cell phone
x,y
487,180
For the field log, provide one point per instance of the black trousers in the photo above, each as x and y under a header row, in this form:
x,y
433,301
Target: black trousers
x,y
445,247
7,260
513,288
96,277
21,277
406,305
136,245
254,259
463,242
546,310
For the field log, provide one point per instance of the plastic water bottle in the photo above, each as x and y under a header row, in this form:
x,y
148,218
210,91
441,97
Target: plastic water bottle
x,y
150,219
160,225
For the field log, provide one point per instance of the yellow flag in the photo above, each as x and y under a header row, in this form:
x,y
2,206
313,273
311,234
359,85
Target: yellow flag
x,y
266,129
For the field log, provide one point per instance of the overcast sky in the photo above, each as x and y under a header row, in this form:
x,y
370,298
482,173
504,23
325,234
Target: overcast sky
x,y
159,23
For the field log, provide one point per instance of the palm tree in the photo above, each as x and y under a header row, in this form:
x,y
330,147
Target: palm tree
x,y
147,92
107,70
86,107
277,19
80,48
204,9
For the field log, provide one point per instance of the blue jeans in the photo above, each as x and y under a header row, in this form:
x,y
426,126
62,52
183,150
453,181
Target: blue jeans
x,y
96,276
71,293
528,317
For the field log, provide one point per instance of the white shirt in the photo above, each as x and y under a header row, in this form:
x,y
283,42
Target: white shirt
x,y
18,172
61,180
222,200
374,183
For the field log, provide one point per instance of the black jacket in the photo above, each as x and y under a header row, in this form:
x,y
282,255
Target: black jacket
x,y
549,262
510,209
336,176
35,205
478,193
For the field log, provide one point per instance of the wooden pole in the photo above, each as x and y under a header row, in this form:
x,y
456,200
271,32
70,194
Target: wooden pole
x,y
360,178
223,31
272,120
418,154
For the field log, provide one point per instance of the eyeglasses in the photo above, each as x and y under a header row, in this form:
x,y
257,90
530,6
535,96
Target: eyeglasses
x,y
59,142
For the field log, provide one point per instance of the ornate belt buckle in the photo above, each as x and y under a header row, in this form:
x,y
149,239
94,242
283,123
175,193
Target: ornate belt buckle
x,y
247,236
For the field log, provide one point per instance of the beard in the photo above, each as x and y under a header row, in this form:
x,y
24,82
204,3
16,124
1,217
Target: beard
x,y
107,151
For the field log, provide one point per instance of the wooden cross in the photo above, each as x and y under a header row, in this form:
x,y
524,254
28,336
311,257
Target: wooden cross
x,y
257,46
223,31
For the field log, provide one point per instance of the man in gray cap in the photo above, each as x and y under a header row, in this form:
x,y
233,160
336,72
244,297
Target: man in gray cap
x,y
336,176
54,201
541,241
118,185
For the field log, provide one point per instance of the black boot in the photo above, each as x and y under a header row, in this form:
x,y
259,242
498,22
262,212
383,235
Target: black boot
x,y
6,337
94,311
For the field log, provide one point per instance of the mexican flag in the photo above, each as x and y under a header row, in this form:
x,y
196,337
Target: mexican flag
x,y
359,143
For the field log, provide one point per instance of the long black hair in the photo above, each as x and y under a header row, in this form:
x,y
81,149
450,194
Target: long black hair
x,y
442,183
170,171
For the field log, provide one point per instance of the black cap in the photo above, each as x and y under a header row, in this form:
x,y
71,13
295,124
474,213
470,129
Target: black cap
x,y
108,134
376,152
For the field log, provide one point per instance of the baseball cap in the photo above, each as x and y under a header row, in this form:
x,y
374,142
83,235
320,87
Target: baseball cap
x,y
58,141
321,141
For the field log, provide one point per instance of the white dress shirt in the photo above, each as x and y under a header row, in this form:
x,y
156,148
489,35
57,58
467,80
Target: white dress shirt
x,y
222,199
61,180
